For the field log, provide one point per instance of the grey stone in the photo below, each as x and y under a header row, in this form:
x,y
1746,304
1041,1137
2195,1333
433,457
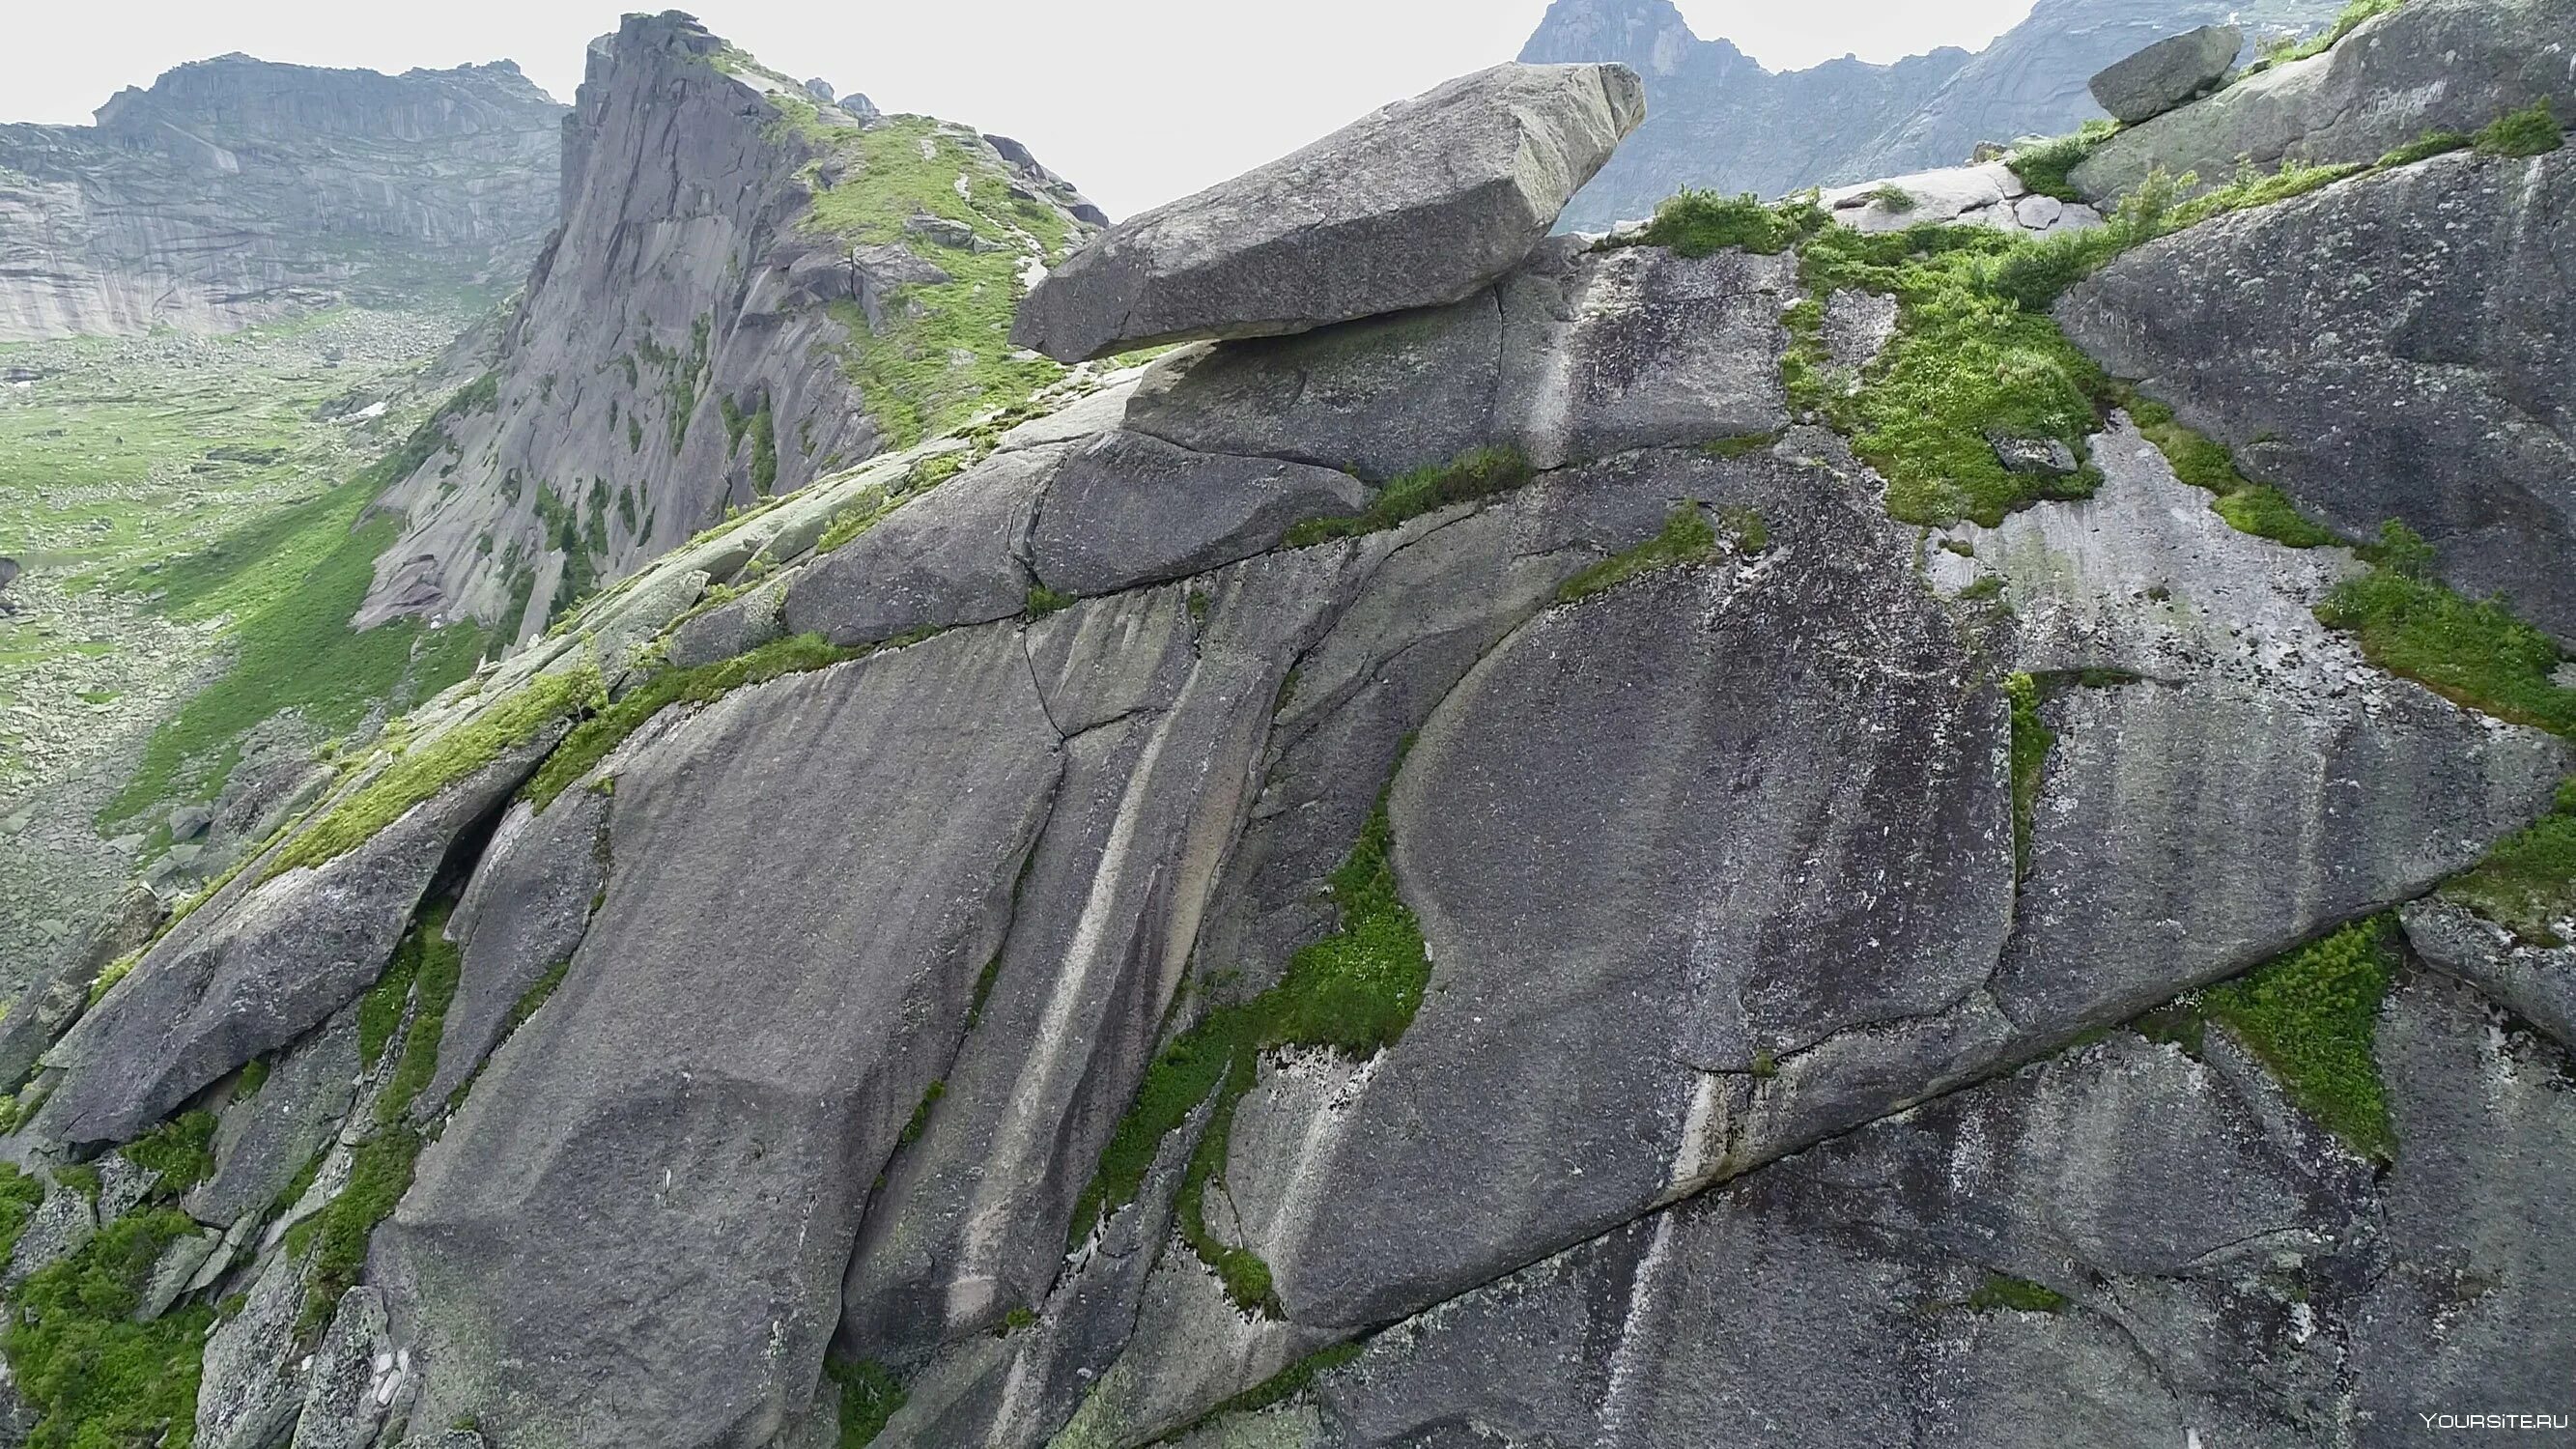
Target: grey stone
x,y
54,1231
2430,65
1606,352
1127,509
190,821
2537,981
732,628
178,1267
2481,1240
257,967
2167,73
1166,716
720,1155
1834,1297
254,1380
1377,398
2311,789
263,1141
2396,346
49,1004
355,1377
1858,327
1421,204
522,916
955,555
2043,457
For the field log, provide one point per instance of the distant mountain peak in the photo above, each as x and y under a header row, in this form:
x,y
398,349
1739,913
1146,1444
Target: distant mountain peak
x,y
1649,35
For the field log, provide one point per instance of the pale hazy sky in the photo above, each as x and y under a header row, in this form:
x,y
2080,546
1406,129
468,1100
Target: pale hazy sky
x,y
1136,101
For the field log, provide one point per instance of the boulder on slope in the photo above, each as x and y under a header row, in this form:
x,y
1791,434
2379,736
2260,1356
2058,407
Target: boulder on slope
x,y
1420,204
2167,73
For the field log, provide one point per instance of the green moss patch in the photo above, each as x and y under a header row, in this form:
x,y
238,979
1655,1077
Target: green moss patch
x,y
870,1398
20,1195
2032,739
2018,1295
2313,1017
2248,506
2528,884
2048,167
944,354
1688,538
95,1378
1479,474
2345,24
181,1150
419,775
2474,653
594,739
2531,131
1703,223
1354,992
1967,364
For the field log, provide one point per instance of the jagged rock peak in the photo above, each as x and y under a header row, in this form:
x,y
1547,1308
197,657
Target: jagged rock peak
x,y
1418,204
1648,35
752,287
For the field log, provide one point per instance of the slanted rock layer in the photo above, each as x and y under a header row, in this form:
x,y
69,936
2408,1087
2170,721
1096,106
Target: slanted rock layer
x,y
1454,873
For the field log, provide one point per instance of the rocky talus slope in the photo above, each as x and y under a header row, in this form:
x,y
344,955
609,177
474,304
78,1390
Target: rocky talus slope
x,y
1723,840
753,286
236,190
1722,122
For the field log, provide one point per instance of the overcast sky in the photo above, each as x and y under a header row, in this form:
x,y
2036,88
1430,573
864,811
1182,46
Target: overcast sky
x,y
1136,101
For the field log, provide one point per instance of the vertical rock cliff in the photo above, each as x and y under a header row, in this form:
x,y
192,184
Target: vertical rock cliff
x,y
752,286
235,190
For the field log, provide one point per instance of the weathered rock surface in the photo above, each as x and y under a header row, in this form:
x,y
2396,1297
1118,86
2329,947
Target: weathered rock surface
x,y
1346,228
1719,121
2167,73
236,190
721,1162
689,342
2397,346
2536,981
1990,194
263,1141
2430,65
273,962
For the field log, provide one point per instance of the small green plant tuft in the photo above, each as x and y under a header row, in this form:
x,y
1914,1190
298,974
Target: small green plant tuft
x,y
2531,131
1044,601
1704,223
870,1398
2048,167
1479,474
2473,653
2248,507
2345,24
2018,1295
2313,1017
2426,147
2528,884
1688,538
2032,739
181,1150
1355,992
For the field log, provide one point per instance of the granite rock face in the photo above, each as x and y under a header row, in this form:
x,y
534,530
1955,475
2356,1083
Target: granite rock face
x,y
2394,347
1421,204
2429,65
690,341
1718,120
1449,878
2167,73
236,190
